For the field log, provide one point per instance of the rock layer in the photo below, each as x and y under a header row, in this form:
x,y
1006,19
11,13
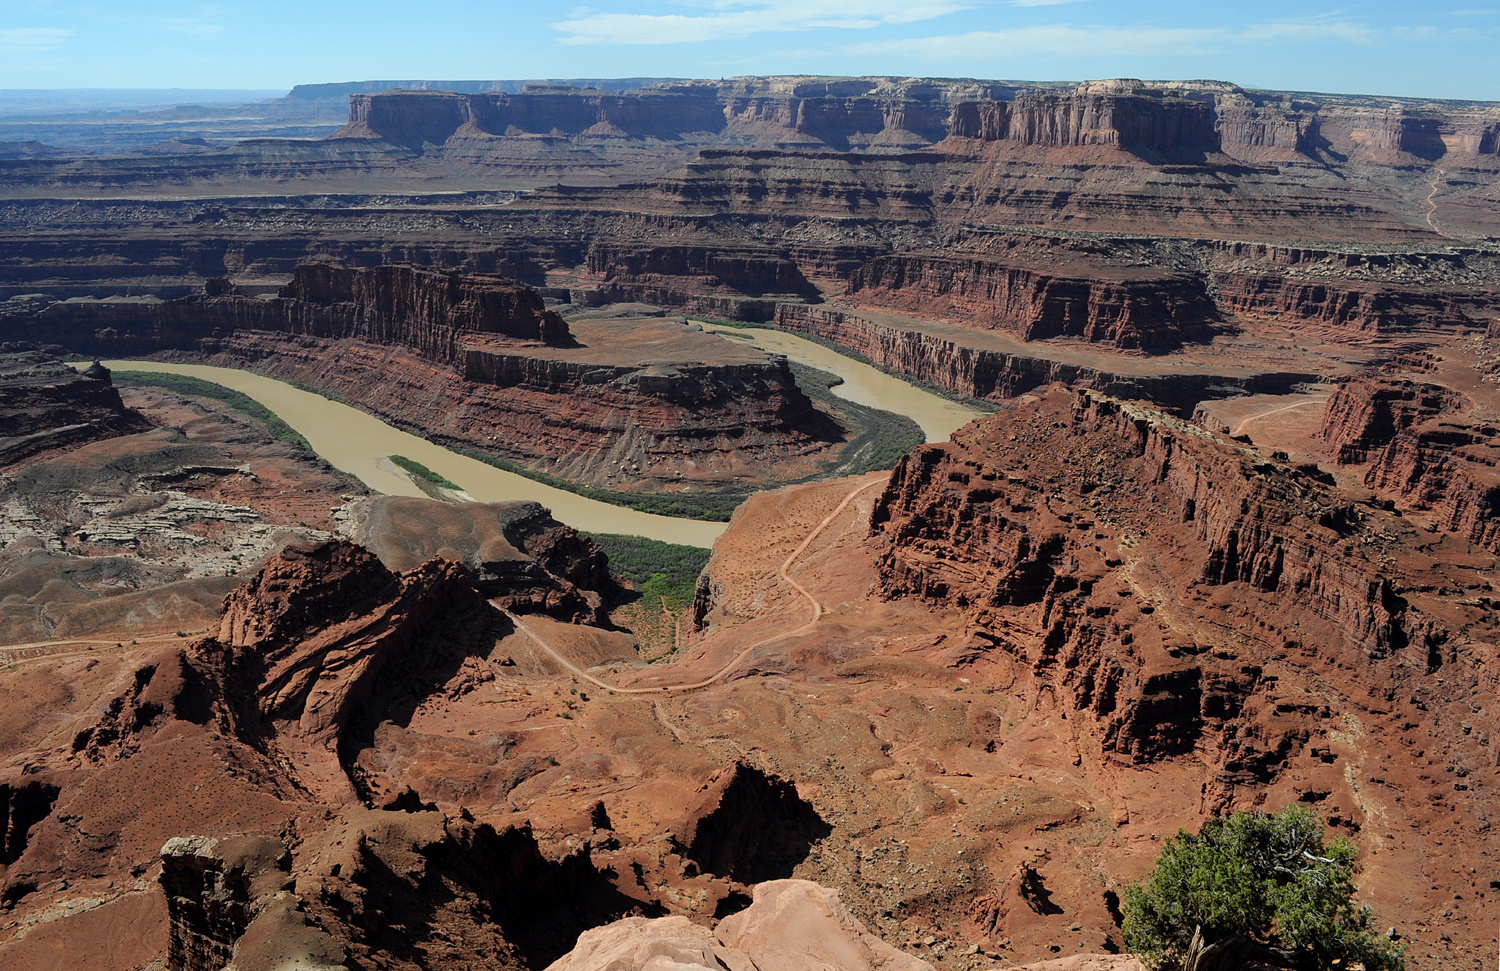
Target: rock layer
x,y
1350,308
971,525
1127,307
45,404
1430,448
977,372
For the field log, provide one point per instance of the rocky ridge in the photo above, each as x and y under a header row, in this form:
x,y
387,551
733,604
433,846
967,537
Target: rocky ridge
x,y
1423,431
1065,574
44,404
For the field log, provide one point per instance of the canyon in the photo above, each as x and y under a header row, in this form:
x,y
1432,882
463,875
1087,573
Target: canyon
x,y
1222,536
485,365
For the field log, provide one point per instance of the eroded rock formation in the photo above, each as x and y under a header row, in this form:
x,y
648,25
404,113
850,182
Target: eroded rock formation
x,y
1130,308
980,524
45,404
791,925
304,645
1430,448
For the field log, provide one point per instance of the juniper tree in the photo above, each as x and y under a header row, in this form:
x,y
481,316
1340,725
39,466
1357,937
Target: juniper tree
x,y
1267,884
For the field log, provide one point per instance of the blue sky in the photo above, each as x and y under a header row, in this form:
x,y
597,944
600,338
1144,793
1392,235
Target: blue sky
x,y
1429,49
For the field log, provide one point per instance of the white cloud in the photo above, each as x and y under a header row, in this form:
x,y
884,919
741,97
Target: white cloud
x,y
32,40
741,18
181,25
1107,40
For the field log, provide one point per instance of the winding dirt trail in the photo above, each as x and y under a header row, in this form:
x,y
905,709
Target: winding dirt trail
x,y
740,658
1240,428
12,654
1437,179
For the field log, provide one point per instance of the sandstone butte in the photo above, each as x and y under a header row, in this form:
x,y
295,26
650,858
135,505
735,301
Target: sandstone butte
x,y
1228,542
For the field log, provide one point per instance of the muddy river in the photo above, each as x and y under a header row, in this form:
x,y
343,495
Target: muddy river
x,y
359,443
863,384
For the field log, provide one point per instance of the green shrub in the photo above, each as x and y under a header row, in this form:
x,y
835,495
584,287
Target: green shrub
x,y
424,473
1271,879
659,571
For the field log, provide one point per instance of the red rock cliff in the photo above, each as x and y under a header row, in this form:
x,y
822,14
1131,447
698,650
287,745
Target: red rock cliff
x,y
1429,448
429,310
1126,306
1112,550
1143,122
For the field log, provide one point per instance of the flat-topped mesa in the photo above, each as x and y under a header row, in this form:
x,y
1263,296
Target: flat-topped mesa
x,y
1160,122
1131,307
1156,125
419,118
879,114
431,311
847,114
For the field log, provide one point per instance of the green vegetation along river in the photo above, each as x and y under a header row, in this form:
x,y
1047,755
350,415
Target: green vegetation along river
x,y
864,384
360,444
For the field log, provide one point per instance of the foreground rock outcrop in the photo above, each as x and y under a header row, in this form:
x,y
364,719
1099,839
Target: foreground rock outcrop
x,y
792,925
1030,558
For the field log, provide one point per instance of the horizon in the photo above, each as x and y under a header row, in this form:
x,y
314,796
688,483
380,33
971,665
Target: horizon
x,y
1445,51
